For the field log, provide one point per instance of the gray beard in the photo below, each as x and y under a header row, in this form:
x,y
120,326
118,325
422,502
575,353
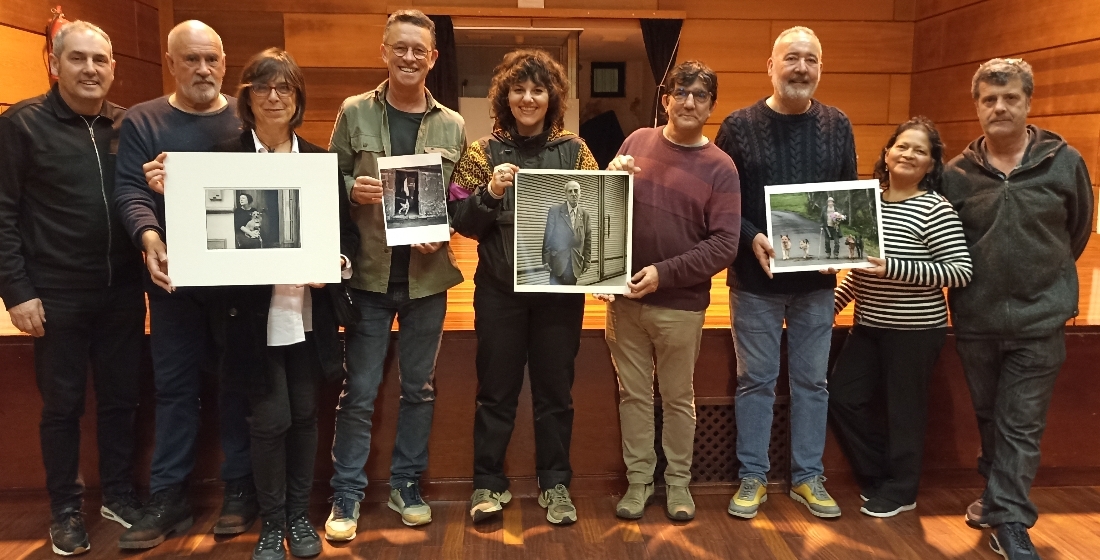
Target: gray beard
x,y
798,92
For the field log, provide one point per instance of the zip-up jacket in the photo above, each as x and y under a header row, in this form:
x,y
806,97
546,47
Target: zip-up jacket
x,y
57,177
1025,232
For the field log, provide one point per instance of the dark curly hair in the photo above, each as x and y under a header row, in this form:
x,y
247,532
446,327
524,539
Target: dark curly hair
x,y
931,179
518,67
266,67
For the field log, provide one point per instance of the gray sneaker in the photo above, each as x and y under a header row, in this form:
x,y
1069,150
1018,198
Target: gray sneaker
x,y
406,500
748,498
485,503
635,500
679,503
559,508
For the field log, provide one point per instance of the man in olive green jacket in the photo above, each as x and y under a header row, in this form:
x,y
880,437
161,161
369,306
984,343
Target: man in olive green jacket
x,y
399,117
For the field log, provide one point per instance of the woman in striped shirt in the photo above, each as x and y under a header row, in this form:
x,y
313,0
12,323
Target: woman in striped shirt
x,y
879,385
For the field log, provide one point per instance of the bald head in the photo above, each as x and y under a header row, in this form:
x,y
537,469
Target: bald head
x,y
196,60
795,34
572,192
795,69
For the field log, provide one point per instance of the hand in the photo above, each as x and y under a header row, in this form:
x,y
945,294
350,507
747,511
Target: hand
x,y
764,252
643,283
311,285
154,173
29,317
829,270
880,267
606,298
366,190
427,248
623,163
504,176
156,259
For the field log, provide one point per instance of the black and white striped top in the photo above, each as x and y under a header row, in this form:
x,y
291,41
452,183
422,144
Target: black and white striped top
x,y
926,252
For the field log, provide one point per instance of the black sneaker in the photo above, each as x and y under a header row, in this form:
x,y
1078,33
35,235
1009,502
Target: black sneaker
x,y
302,537
124,509
67,534
975,515
881,507
1011,541
270,546
239,507
167,512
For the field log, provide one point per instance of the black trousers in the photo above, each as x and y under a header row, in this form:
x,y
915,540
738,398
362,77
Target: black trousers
x,y
878,401
284,431
541,331
104,328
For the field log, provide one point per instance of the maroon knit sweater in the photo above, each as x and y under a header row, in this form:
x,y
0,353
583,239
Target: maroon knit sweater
x,y
687,216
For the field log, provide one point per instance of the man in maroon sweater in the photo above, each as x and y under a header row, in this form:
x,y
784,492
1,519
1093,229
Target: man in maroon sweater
x,y
687,194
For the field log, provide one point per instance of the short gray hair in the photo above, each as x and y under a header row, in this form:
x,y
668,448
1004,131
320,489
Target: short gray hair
x,y
998,71
73,27
792,31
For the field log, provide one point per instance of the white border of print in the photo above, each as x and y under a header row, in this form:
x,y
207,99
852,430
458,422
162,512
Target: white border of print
x,y
189,174
588,289
416,234
864,184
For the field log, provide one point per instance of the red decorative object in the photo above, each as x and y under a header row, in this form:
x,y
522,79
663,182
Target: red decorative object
x,y
56,23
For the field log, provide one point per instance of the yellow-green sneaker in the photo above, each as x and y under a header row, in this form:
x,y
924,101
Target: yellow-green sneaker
x,y
818,501
748,498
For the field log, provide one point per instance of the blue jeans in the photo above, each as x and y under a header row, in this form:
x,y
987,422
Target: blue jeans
x,y
1011,384
421,329
180,340
757,331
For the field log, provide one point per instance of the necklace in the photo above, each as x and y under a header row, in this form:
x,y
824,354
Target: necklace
x,y
272,148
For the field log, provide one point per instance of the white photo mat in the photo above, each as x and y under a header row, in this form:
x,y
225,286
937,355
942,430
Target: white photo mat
x,y
192,175
429,191
807,237
609,192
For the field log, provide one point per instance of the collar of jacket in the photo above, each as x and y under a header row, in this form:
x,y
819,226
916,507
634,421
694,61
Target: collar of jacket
x,y
538,142
1043,145
379,94
57,104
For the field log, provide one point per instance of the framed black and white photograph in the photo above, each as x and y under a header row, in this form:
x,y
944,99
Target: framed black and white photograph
x,y
572,231
414,199
816,226
246,218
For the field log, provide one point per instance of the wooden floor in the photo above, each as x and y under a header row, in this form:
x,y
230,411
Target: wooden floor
x,y
1069,528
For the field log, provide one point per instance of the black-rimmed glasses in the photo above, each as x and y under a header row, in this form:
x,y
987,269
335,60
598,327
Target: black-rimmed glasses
x,y
263,90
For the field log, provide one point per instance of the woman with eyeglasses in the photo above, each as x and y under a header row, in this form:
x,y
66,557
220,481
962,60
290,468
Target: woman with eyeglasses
x,y
542,331
878,390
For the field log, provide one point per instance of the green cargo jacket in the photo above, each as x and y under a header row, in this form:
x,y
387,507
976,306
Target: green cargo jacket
x,y
360,137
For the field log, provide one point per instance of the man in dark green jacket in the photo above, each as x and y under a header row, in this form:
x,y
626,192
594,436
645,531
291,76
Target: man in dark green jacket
x,y
1025,201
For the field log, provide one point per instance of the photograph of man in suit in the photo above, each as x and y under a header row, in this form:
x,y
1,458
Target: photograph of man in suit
x,y
567,243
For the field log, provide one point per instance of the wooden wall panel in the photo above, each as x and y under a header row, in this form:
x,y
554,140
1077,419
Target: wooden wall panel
x,y
287,6
929,8
905,10
900,87
727,45
328,87
600,4
988,29
120,19
135,81
21,65
869,141
856,46
335,41
263,30
856,10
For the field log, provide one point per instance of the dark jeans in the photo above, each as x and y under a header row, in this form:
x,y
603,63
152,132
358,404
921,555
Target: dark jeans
x,y
421,329
284,431
105,328
180,339
1011,383
541,331
878,400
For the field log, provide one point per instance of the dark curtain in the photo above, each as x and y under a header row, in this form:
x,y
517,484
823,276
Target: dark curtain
x,y
443,79
662,38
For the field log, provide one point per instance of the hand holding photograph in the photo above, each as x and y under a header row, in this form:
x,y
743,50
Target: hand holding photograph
x,y
817,226
282,207
572,231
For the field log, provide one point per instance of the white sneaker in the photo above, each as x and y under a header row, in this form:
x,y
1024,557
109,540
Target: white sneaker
x,y
343,520
485,503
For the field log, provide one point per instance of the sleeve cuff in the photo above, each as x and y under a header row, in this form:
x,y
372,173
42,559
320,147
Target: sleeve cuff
x,y
345,271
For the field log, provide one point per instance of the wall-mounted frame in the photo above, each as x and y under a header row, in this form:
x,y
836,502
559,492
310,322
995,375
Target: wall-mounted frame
x,y
608,79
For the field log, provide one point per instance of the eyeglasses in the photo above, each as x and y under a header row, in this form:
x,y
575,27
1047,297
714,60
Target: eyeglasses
x,y
263,90
402,50
681,95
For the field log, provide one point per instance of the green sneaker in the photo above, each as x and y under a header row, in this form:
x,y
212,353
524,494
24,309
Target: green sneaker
x,y
559,508
748,498
812,493
485,503
635,500
679,503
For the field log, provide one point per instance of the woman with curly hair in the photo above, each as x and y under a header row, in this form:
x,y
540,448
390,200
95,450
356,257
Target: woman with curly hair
x,y
878,391
538,330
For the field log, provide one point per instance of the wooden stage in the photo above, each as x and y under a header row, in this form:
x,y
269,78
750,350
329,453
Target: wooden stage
x,y
1068,529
